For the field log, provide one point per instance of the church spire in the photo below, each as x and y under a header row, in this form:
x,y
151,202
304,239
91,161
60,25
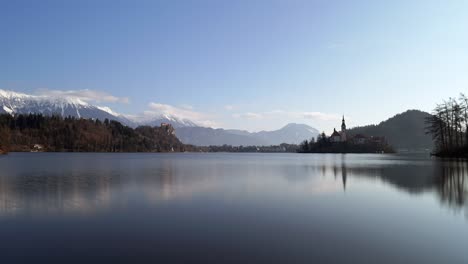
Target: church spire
x,y
343,124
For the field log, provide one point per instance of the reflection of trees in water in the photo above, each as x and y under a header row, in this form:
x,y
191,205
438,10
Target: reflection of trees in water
x,y
53,192
448,178
87,186
452,184
84,189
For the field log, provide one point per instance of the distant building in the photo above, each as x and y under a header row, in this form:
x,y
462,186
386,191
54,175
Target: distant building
x,y
378,140
335,137
339,136
343,130
169,128
359,139
37,148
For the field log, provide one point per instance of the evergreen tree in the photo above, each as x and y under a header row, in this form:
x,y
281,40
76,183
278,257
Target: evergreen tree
x,y
22,132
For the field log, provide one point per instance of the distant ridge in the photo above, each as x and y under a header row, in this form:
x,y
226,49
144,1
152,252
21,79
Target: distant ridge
x,y
404,131
202,136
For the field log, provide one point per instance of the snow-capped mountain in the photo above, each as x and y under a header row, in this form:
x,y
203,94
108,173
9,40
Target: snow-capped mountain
x,y
156,120
187,131
19,103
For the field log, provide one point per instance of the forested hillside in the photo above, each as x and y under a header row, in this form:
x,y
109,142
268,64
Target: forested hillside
x,y
403,131
54,133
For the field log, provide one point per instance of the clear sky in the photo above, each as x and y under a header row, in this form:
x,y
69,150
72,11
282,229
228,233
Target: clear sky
x,y
241,64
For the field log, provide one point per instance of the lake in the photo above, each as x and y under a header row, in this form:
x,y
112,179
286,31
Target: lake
x,y
232,208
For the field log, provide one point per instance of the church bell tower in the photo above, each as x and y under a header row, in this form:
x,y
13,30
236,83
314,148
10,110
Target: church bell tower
x,y
343,130
343,125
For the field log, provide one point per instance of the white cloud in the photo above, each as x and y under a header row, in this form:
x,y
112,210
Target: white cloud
x,y
277,111
229,107
186,106
249,115
182,113
321,116
253,115
293,115
86,95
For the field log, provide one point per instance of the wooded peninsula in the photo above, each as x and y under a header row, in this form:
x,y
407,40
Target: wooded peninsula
x,y
35,132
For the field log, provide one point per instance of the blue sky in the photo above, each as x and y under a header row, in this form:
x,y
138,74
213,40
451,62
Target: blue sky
x,y
241,64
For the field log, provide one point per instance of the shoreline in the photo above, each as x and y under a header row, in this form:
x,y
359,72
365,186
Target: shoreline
x,y
449,156
193,152
347,152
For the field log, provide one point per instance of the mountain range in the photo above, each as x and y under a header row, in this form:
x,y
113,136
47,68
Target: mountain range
x,y
187,131
202,136
403,131
20,103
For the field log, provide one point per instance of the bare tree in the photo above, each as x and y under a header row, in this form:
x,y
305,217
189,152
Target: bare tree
x,y
449,125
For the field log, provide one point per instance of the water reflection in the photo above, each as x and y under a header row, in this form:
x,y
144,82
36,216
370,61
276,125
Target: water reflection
x,y
205,208
448,178
452,185
51,192
86,183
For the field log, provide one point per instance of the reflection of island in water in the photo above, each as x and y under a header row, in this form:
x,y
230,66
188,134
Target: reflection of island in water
x,y
448,178
86,184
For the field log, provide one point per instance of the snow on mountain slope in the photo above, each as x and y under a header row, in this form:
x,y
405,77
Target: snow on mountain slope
x,y
20,103
156,120
187,131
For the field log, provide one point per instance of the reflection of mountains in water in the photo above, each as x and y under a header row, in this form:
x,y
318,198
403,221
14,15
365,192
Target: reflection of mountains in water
x,y
84,183
73,188
448,178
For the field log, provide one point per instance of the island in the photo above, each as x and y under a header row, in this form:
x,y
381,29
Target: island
x,y
342,142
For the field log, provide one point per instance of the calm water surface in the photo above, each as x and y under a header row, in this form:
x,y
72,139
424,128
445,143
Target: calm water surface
x,y
232,208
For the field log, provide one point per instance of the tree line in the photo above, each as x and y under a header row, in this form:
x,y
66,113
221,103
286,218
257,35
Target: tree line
x,y
323,144
55,133
448,126
292,148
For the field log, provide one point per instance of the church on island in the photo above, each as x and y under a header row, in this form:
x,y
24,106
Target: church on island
x,y
345,141
358,139
339,136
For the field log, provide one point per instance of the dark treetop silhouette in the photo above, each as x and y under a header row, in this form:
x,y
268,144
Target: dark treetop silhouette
x,y
448,126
